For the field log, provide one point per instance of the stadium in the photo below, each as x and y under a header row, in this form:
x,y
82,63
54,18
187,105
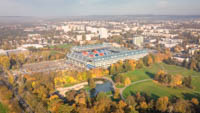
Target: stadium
x,y
101,55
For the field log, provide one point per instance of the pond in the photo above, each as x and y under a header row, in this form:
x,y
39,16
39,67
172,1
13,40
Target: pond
x,y
105,87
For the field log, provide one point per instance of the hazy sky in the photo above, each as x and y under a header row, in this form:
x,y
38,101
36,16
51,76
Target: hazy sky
x,y
97,7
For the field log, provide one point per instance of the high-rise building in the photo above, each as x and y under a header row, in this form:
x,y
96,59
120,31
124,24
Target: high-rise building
x,y
138,41
103,33
66,28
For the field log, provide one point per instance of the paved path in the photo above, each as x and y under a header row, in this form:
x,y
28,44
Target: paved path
x,y
139,81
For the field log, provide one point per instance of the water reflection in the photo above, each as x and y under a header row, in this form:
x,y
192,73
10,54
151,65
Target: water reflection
x,y
105,87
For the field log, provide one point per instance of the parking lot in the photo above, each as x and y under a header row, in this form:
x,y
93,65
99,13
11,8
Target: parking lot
x,y
43,67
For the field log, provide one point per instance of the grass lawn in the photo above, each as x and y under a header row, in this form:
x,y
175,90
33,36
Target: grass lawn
x,y
156,90
3,109
62,46
148,72
196,83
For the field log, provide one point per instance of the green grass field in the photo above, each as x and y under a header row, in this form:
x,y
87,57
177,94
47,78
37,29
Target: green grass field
x,y
157,90
62,46
148,72
3,109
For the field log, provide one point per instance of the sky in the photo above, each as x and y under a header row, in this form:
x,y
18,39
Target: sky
x,y
45,8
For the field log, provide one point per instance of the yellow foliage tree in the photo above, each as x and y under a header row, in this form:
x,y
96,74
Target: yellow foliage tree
x,y
195,101
5,62
127,81
162,103
149,60
177,80
143,105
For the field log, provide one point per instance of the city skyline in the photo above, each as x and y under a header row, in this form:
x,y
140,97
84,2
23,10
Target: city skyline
x,y
97,7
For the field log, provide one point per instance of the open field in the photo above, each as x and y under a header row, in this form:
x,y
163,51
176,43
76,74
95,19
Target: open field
x,y
3,109
148,72
62,46
156,90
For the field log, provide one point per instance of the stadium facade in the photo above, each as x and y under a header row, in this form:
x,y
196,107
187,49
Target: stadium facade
x,y
101,55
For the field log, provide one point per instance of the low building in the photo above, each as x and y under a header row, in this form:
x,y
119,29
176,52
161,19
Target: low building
x,y
32,45
2,52
180,58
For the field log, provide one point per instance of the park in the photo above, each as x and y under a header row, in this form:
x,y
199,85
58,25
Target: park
x,y
156,90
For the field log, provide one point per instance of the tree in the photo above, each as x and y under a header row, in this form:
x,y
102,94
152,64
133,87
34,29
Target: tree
x,y
112,69
102,104
121,104
119,67
5,62
120,78
65,108
187,81
195,101
143,105
127,81
193,65
127,65
159,75
149,60
140,64
91,83
177,80
185,64
130,100
161,104
116,94
182,106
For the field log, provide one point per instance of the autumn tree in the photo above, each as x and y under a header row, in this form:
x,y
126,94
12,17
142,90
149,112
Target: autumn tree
x,y
187,81
177,80
5,62
182,106
112,69
143,105
116,94
91,83
120,78
130,100
193,65
139,64
162,103
195,101
149,60
127,81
